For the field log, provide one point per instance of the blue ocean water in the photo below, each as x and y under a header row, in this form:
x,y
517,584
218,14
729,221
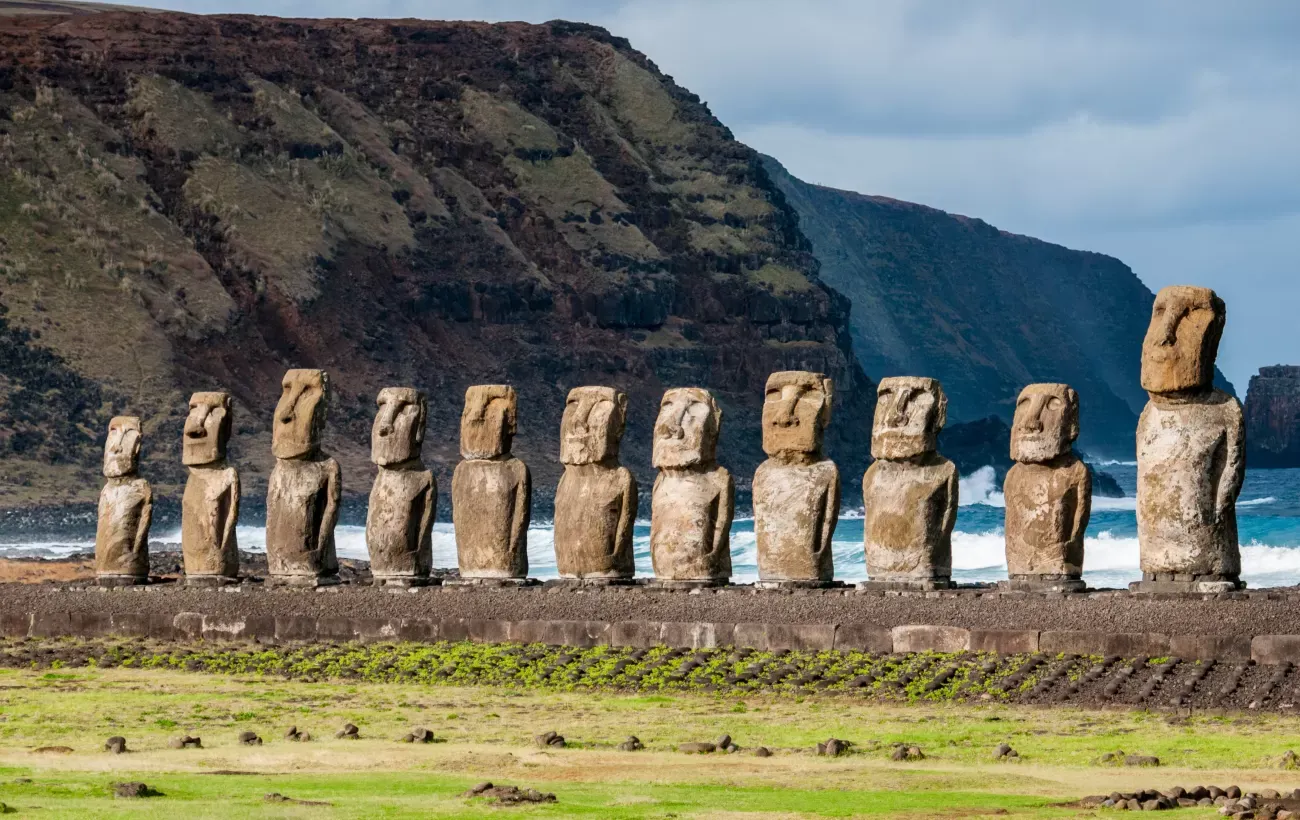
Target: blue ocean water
x,y
1268,516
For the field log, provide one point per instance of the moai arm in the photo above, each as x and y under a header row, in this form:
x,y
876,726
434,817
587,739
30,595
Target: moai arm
x,y
1234,460
232,514
333,494
430,510
141,541
726,512
950,512
1082,502
627,516
831,511
523,511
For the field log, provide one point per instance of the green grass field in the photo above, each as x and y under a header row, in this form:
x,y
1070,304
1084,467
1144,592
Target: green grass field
x,y
486,732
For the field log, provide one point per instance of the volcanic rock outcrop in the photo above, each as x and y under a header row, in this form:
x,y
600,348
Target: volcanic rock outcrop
x,y
1273,417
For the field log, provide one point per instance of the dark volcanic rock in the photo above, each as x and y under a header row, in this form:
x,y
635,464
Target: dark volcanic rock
x,y
1273,417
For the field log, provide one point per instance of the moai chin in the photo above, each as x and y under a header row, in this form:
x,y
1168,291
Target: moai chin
x,y
125,509
694,498
1190,450
797,489
210,506
403,500
909,493
491,491
302,496
1048,492
595,503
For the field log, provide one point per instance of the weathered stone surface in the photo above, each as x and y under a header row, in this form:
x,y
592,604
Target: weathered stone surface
x,y
403,500
125,507
926,638
491,490
210,505
796,491
302,497
910,492
1049,489
1190,449
1004,641
1275,649
694,499
596,501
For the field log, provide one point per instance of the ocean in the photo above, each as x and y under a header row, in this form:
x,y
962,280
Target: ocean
x,y
1268,516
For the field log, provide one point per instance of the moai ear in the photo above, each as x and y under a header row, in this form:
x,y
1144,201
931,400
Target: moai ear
x,y
828,388
423,403
620,401
716,413
941,417
1072,396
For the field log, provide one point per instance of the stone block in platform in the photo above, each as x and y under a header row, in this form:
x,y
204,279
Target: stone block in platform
x,y
295,628
1210,647
1274,649
916,585
1043,584
1004,641
878,639
17,624
924,638
775,637
696,635
635,634
1137,644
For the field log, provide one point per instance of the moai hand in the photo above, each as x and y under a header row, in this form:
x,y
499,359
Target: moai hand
x,y
210,506
125,509
399,520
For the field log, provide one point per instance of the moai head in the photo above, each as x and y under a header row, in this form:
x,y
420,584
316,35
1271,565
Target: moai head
x,y
1183,340
910,412
487,424
1046,422
593,425
686,432
207,429
796,410
300,414
398,433
122,449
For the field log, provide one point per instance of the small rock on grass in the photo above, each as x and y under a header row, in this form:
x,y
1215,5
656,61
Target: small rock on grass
x,y
762,751
1141,760
5,808
549,740
904,751
185,742
508,794
632,744
249,739
115,744
1005,752
295,735
833,747
348,732
697,748
134,789
1289,761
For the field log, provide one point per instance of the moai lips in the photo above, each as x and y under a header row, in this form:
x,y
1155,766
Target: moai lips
x,y
1048,492
210,506
491,490
302,497
1191,451
125,508
796,490
596,501
910,492
399,519
694,498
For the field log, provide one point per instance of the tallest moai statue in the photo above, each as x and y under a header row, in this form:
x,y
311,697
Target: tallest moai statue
x,y
1190,449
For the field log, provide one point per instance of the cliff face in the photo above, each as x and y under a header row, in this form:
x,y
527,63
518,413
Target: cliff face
x,y
984,311
1273,417
192,203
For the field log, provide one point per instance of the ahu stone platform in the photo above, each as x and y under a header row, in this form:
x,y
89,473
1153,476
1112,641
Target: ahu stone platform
x,y
1262,626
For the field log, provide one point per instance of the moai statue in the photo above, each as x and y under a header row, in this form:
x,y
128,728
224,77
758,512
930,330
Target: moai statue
x,y
399,521
125,509
797,489
595,504
302,497
210,506
491,491
1048,492
1191,445
909,493
694,497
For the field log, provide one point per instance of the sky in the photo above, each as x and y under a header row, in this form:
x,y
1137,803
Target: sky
x,y
1162,132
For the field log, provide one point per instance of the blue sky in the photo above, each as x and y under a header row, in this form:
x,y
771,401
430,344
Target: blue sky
x,y
1163,132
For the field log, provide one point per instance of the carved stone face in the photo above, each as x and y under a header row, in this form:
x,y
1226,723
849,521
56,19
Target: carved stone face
x,y
593,425
686,432
399,426
910,412
300,414
1046,422
1183,340
207,429
487,424
122,449
796,410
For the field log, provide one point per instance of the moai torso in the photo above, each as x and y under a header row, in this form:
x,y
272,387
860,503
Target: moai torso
x,y
125,507
399,519
210,505
302,496
796,491
595,503
491,490
1049,490
909,493
693,500
1190,448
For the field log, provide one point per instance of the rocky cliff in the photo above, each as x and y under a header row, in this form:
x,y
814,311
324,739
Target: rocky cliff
x,y
1273,417
193,203
984,311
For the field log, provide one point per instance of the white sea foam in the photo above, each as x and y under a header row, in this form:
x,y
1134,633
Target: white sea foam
x,y
980,487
